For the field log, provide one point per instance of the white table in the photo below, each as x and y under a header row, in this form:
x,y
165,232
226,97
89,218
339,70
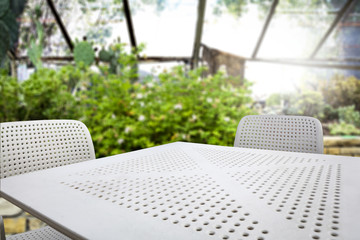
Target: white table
x,y
196,191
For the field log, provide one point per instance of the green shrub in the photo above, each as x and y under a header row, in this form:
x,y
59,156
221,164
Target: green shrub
x,y
123,116
343,129
341,91
84,54
330,113
47,97
10,98
349,115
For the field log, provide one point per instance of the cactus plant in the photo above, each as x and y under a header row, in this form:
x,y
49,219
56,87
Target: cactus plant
x,y
83,52
111,57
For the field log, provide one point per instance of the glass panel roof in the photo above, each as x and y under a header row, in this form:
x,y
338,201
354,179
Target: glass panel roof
x,y
101,22
234,26
54,43
166,27
344,41
297,27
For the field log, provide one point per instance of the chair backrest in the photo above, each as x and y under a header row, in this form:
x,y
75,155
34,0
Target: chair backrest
x,y
34,145
284,133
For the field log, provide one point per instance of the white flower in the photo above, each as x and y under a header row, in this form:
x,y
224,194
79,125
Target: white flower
x,y
209,100
178,106
194,117
142,104
113,116
120,141
139,96
183,136
127,129
226,119
141,118
150,84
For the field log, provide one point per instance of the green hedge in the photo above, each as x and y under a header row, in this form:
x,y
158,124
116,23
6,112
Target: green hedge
x,y
124,116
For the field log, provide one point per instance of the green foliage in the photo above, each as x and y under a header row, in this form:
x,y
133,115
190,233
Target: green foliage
x,y
117,60
310,103
123,115
10,93
84,54
341,91
47,97
349,115
330,113
9,28
343,129
36,47
274,100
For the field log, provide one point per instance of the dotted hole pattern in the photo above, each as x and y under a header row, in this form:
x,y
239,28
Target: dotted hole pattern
x,y
44,233
309,195
36,145
165,161
194,202
284,133
237,159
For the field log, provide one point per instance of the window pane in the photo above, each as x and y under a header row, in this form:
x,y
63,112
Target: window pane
x,y
344,41
54,43
101,22
234,26
166,27
297,27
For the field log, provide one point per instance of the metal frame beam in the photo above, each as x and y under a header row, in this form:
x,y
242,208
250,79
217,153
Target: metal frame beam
x,y
302,63
339,16
60,24
129,24
297,62
186,60
265,27
198,33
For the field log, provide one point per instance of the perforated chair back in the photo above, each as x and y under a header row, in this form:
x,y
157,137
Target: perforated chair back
x,y
283,133
35,145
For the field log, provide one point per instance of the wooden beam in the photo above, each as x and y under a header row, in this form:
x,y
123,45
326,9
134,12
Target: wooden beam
x,y
60,24
198,33
337,19
129,24
265,27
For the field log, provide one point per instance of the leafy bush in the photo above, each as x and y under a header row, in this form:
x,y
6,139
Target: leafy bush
x,y
310,103
10,103
47,97
341,91
330,113
123,115
343,129
349,115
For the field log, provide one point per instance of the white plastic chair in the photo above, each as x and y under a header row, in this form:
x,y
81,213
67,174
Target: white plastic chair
x,y
35,145
283,133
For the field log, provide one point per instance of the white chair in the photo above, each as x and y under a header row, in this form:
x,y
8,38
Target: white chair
x,y
283,133
35,145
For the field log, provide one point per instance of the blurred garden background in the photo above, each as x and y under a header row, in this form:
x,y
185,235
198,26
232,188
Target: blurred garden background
x,y
141,73
150,83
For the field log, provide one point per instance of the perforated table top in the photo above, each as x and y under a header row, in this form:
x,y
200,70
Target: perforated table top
x,y
197,191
